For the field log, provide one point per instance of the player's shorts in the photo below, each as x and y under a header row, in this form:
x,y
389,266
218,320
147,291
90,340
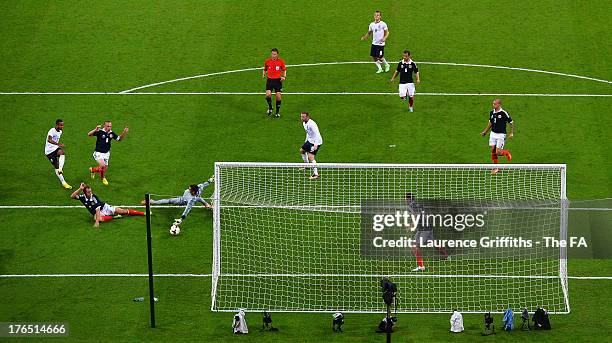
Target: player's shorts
x,y
406,88
377,51
274,84
307,146
107,210
425,236
104,156
497,139
53,157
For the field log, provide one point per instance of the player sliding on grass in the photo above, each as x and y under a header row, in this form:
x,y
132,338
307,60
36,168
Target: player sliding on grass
x,y
405,69
497,124
313,143
54,150
380,32
424,234
189,198
101,211
104,137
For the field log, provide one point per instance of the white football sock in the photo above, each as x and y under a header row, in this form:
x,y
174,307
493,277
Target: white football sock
x,y
384,61
378,65
305,157
314,170
62,159
60,176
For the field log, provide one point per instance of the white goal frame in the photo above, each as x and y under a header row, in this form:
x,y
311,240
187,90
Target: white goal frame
x,y
218,226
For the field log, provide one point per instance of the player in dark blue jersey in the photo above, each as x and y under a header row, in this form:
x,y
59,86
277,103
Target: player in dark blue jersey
x,y
101,211
104,137
405,69
498,118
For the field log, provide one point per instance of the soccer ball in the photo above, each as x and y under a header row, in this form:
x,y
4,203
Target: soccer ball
x,y
175,230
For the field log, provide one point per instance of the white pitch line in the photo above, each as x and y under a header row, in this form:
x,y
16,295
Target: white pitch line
x,y
3,207
81,206
131,90
365,62
23,276
313,93
98,275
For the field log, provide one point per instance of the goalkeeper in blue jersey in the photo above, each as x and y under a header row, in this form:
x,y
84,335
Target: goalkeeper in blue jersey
x,y
188,199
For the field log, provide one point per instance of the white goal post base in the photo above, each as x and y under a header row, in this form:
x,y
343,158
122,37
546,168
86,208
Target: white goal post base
x,y
285,243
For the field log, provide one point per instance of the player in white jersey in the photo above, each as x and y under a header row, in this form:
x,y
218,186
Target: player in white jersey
x,y
380,32
55,152
313,143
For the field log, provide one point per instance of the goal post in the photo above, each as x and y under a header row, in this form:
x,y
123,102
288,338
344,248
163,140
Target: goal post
x,y
283,242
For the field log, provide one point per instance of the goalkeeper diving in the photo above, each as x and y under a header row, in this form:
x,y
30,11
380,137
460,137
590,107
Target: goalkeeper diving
x,y
191,195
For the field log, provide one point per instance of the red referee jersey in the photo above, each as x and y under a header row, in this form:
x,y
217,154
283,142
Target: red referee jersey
x,y
274,68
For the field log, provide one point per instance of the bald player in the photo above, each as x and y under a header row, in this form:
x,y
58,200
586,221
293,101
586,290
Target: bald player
x,y
498,118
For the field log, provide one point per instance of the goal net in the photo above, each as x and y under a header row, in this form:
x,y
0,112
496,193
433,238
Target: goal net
x,y
285,243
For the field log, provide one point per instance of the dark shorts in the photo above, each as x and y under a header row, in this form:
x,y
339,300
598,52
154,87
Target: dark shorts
x,y
274,84
307,146
53,157
377,51
425,236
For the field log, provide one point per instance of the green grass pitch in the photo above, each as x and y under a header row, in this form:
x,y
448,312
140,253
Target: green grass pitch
x,y
111,46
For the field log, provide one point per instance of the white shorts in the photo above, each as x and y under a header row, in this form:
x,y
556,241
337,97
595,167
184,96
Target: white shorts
x,y
406,88
104,156
497,139
107,210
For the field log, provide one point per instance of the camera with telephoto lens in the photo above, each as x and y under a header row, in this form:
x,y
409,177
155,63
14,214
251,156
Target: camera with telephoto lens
x,y
389,289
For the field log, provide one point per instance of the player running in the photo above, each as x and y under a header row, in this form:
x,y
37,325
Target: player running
x,y
54,150
380,32
405,68
276,72
498,118
104,136
424,234
101,211
189,198
313,143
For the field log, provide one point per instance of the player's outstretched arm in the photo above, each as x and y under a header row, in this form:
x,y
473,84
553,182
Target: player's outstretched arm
x,y
367,35
91,133
188,208
75,194
486,130
203,202
98,217
206,183
394,76
123,133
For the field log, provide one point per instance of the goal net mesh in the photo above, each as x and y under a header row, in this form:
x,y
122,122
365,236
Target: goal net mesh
x,y
285,243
